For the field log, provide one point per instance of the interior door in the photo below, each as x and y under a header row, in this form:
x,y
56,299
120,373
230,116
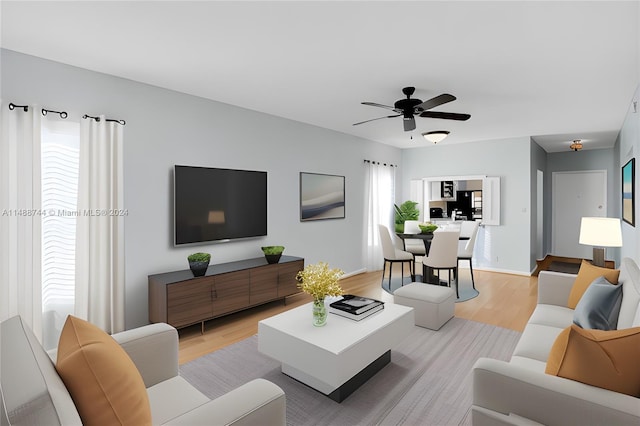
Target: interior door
x,y
575,195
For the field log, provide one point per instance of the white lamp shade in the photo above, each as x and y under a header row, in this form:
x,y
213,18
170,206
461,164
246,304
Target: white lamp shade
x,y
601,232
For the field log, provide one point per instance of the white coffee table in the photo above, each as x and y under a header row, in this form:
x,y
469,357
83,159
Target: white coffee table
x,y
339,357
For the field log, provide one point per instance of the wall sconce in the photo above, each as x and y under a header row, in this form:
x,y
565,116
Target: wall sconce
x,y
436,135
600,232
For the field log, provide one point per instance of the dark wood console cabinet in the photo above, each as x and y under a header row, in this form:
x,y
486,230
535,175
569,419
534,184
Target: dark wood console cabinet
x,y
180,299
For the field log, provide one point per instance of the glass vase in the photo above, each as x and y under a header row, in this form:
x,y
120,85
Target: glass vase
x,y
319,313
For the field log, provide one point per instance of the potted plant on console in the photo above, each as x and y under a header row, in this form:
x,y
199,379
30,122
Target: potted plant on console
x,y
198,263
272,253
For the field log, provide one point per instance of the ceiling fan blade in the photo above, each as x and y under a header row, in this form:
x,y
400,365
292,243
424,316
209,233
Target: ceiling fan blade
x,y
379,118
380,105
434,102
409,123
445,115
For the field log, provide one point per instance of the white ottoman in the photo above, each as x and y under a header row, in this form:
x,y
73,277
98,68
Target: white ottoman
x,y
433,304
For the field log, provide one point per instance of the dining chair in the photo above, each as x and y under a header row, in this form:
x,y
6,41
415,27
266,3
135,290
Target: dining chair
x,y
394,255
443,254
467,228
414,246
465,247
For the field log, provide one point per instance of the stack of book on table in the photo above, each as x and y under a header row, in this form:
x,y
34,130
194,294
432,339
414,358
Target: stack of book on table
x,y
355,307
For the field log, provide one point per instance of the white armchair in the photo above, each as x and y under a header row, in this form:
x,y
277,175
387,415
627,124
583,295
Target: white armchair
x,y
32,392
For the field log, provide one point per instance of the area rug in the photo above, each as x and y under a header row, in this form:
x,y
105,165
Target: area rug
x,y
466,292
427,382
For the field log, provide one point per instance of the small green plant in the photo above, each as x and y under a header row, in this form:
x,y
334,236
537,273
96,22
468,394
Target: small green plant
x,y
427,227
406,211
199,257
273,249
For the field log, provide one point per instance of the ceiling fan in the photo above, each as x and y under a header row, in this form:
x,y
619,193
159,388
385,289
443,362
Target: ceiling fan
x,y
410,107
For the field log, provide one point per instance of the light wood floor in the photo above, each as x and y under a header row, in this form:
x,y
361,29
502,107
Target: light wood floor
x,y
505,301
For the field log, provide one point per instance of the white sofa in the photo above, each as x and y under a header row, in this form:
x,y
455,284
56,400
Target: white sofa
x,y
519,392
32,393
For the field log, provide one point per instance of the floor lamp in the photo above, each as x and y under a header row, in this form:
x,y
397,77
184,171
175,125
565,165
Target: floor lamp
x,y
600,232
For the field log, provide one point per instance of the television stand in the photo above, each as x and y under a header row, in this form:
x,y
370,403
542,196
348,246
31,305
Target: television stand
x,y
180,299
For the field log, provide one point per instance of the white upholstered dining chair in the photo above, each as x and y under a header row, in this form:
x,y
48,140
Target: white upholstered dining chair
x,y
414,246
468,229
443,254
394,255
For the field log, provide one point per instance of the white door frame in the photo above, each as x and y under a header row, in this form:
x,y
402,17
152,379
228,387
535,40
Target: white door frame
x,y
539,214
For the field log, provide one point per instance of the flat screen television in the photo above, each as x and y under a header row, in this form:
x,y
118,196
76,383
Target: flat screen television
x,y
216,205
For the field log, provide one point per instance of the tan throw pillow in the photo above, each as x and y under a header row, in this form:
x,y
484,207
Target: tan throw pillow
x,y
586,275
104,383
606,359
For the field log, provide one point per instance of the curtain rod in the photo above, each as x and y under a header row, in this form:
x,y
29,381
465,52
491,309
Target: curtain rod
x,y
62,114
24,107
377,162
106,119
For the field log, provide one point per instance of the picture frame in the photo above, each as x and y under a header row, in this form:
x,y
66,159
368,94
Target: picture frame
x,y
322,196
629,192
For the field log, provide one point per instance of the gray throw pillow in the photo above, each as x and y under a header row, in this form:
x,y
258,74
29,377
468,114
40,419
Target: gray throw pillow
x,y
599,306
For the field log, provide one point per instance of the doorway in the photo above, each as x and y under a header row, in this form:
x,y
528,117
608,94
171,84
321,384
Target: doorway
x,y
539,214
575,195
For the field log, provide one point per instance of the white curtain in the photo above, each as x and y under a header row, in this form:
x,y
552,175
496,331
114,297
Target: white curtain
x,y
100,226
20,217
380,195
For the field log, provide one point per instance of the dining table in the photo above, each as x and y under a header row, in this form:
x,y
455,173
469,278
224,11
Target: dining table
x,y
429,276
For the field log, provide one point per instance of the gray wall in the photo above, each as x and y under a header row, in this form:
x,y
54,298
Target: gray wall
x,y
505,247
166,128
627,145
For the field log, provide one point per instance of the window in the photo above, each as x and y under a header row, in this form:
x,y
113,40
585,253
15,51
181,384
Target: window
x,y
59,166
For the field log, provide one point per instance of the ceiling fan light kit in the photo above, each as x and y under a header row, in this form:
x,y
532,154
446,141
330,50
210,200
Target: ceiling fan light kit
x,y
576,145
436,135
410,107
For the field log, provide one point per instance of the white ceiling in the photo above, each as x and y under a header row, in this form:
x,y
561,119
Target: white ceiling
x,y
555,71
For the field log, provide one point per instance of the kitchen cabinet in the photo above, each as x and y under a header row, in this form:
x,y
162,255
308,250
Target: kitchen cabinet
x,y
444,190
448,190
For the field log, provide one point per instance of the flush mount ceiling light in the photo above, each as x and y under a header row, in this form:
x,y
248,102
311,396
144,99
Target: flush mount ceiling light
x,y
436,135
576,145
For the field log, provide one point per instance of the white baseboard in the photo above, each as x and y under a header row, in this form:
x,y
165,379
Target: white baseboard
x,y
356,272
502,271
